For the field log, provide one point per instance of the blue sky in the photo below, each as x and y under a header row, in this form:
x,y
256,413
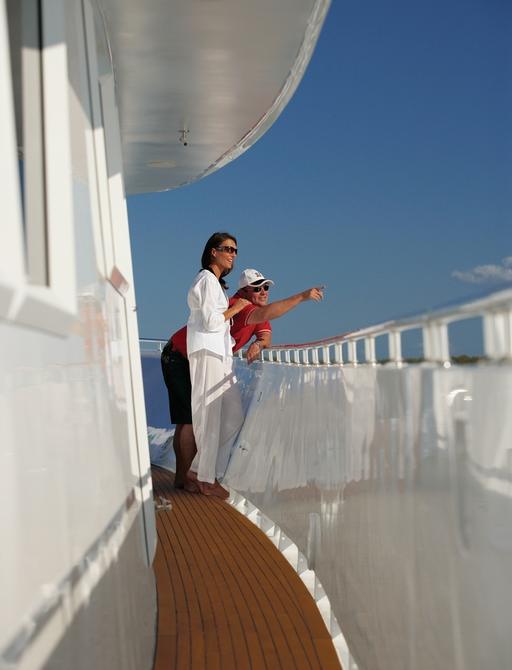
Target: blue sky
x,y
389,171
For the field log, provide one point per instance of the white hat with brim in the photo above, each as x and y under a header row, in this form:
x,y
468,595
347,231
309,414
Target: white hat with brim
x,y
251,277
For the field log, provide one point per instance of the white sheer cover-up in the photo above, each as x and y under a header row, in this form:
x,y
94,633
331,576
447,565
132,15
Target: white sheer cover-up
x,y
216,406
216,412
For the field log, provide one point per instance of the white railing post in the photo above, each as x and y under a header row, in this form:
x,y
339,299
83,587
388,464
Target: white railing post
x,y
395,346
435,342
498,334
325,355
352,352
338,353
314,353
305,357
296,356
369,350
286,355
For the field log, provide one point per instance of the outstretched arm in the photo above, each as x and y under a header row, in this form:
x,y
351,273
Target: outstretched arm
x,y
280,307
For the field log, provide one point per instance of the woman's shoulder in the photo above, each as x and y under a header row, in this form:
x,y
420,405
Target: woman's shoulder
x,y
205,277
202,275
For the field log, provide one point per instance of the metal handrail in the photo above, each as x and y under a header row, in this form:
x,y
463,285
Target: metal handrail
x,y
495,310
149,344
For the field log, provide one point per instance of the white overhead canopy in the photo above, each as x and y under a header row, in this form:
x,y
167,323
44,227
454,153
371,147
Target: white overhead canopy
x,y
212,73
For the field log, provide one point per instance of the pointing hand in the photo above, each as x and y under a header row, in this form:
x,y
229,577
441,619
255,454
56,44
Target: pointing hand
x,y
316,293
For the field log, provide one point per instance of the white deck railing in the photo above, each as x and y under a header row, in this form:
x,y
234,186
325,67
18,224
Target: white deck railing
x,y
151,345
494,310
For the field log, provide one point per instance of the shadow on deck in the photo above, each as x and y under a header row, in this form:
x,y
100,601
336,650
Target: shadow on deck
x,y
227,598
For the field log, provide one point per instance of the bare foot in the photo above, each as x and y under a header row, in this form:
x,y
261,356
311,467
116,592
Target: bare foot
x,y
215,489
191,484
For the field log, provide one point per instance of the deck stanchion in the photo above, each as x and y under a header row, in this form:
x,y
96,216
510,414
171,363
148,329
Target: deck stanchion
x,y
286,355
325,355
497,334
395,346
314,355
369,350
305,357
338,353
435,342
296,356
352,352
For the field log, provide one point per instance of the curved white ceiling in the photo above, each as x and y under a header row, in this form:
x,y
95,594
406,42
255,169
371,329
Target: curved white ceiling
x,y
220,70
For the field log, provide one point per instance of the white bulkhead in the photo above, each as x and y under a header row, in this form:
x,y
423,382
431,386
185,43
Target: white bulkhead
x,y
76,522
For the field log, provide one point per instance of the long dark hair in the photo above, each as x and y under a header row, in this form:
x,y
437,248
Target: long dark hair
x,y
215,241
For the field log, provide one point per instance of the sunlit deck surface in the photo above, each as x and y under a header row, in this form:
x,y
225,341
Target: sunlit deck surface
x,y
227,598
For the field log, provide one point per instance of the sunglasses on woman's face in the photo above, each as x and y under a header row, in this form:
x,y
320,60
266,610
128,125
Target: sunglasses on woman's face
x,y
228,250
257,289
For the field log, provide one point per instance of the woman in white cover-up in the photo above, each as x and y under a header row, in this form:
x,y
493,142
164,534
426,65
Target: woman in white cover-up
x,y
216,409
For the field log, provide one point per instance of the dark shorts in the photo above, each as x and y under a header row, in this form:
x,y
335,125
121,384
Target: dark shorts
x,y
176,373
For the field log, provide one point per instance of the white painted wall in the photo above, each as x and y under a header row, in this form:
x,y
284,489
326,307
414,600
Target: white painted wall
x,y
76,513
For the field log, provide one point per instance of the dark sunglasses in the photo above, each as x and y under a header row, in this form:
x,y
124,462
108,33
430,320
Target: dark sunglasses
x,y
257,289
228,250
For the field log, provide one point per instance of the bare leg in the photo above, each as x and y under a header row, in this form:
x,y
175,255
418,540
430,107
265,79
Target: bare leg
x,y
188,446
178,479
184,446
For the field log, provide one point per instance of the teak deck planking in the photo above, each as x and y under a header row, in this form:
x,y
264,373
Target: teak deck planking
x,y
227,598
